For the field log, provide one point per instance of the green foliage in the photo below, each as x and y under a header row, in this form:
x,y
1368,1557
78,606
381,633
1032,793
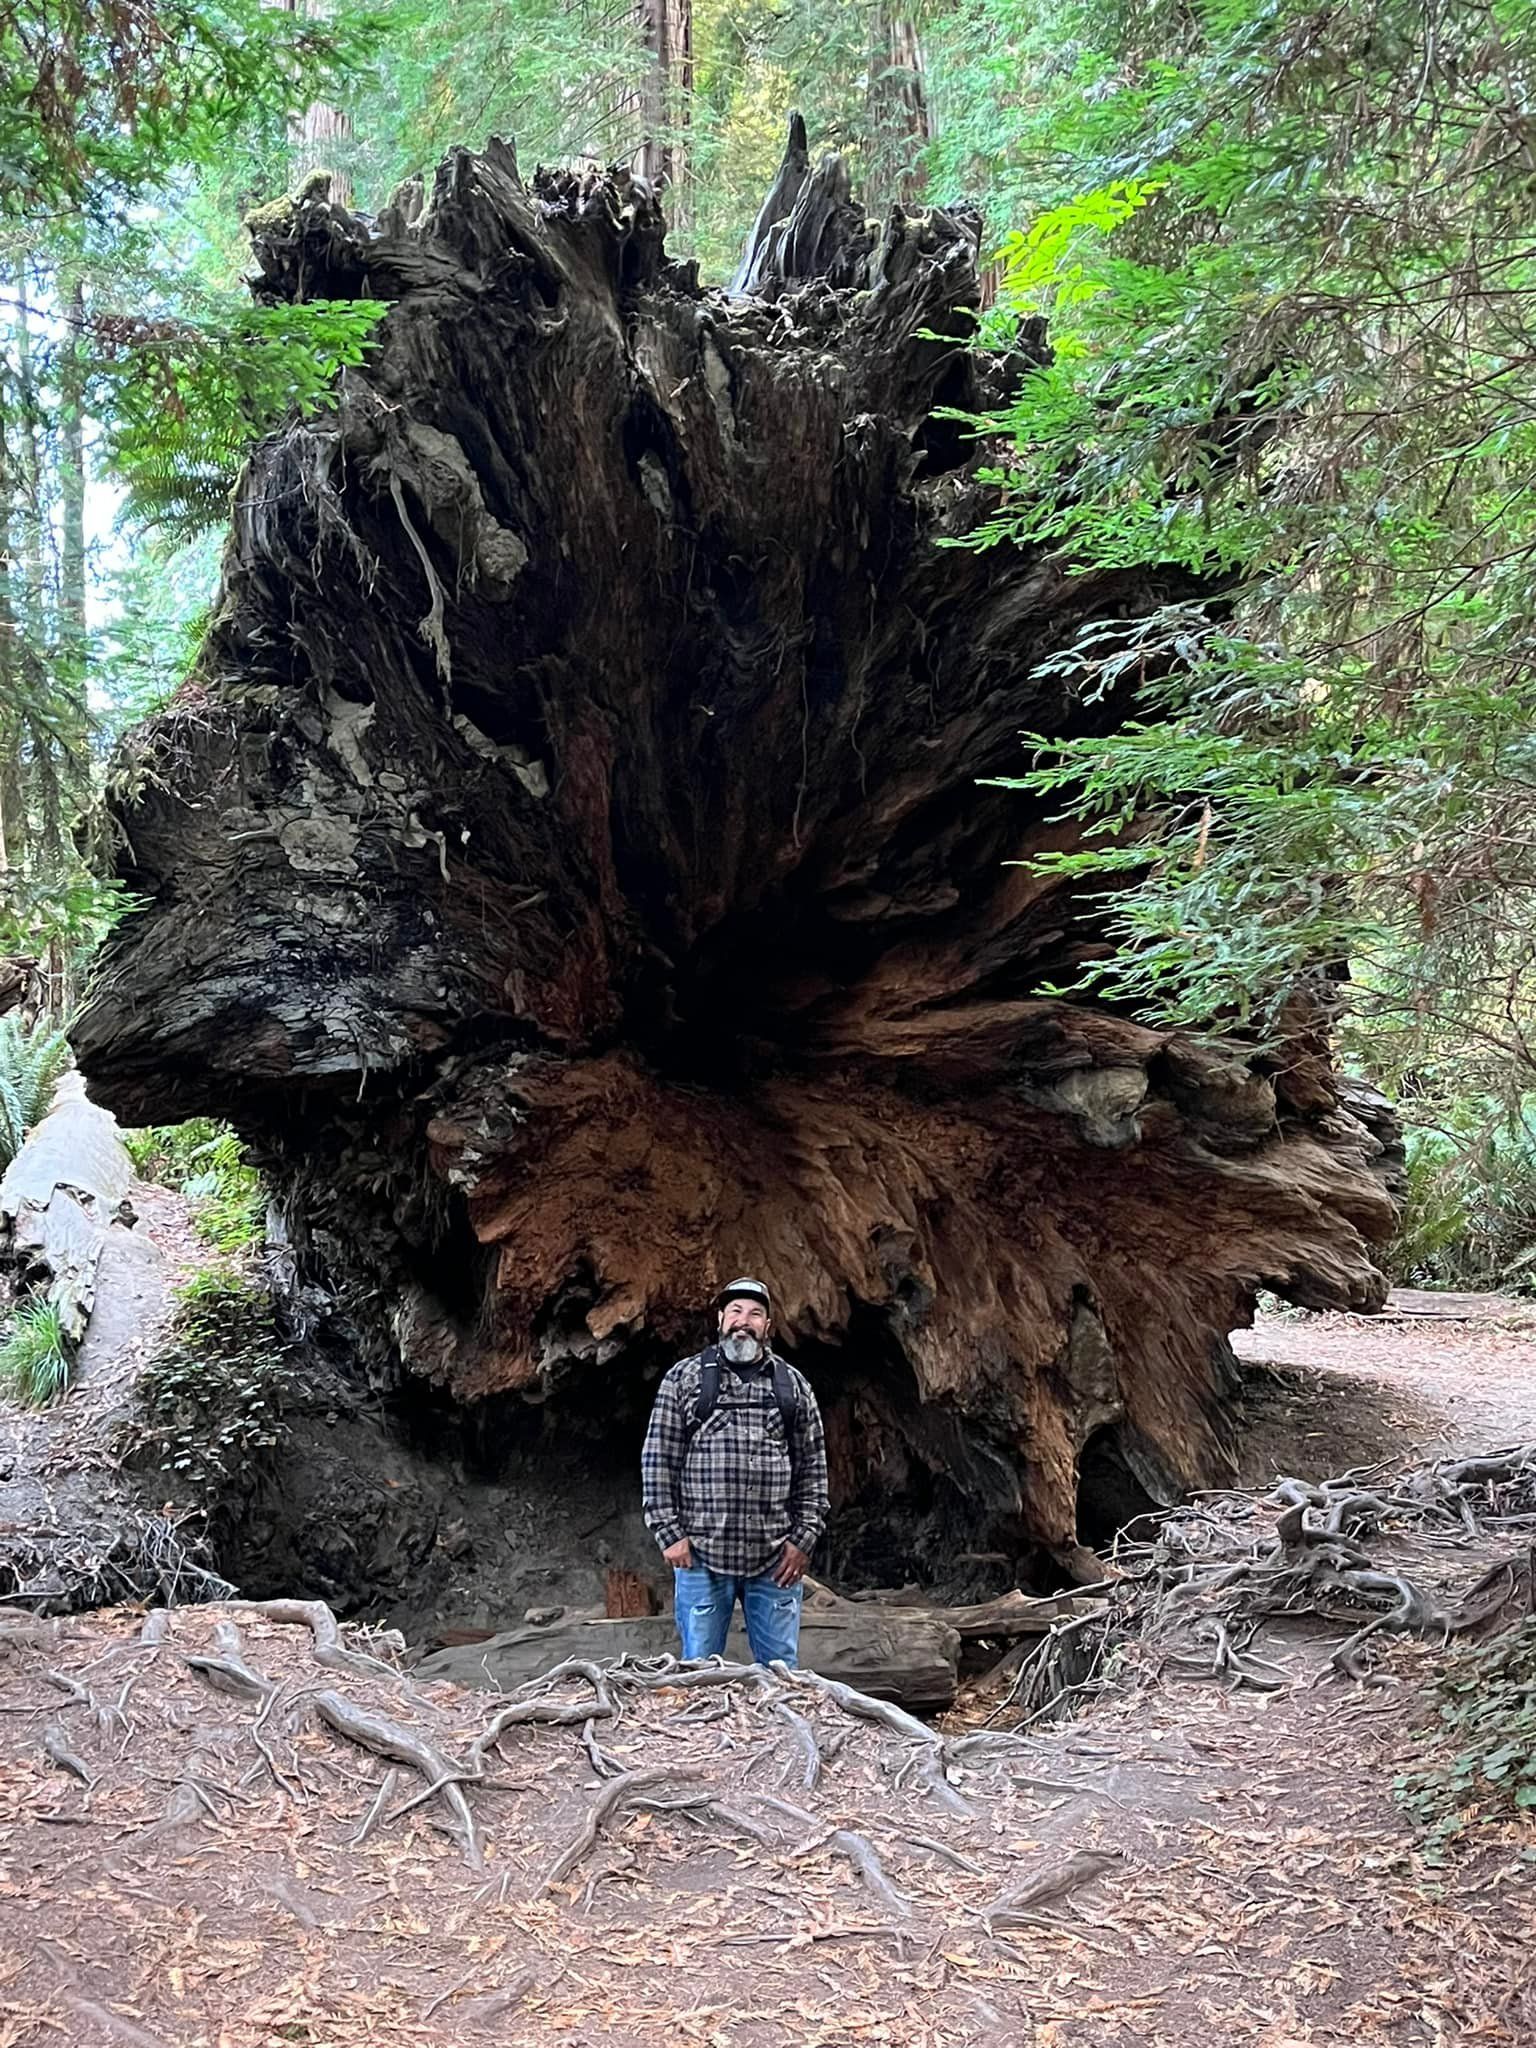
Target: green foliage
x,y
1288,265
204,1160
161,605
186,400
1484,1762
32,1057
1469,1219
212,1398
128,358
35,1359
101,96
64,911
558,77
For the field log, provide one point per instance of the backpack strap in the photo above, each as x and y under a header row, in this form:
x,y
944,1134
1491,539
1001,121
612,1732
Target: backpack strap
x,y
784,1395
709,1391
709,1387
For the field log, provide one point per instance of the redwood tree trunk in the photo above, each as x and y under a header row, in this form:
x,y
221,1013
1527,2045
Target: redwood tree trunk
x,y
666,30
569,868
897,124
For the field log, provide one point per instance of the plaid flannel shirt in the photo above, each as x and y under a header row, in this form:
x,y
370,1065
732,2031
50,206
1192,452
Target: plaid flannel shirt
x,y
734,1485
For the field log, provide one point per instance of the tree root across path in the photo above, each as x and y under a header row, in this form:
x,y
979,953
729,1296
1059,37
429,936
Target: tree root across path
x,y
1353,1554
421,1734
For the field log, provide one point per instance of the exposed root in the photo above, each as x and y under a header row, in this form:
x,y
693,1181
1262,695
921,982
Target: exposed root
x,y
1018,1907
326,1631
113,2024
1221,1568
381,1799
805,1742
548,1713
614,1797
944,1853
860,1852
603,1765
58,1752
927,1767
861,1704
400,1744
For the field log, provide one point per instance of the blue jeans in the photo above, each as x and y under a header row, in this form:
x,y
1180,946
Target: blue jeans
x,y
706,1601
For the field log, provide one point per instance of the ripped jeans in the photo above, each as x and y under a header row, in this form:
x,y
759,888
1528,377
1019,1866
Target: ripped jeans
x,y
706,1601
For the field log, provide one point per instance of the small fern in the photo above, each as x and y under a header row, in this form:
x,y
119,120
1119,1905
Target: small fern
x,y
35,1361
32,1057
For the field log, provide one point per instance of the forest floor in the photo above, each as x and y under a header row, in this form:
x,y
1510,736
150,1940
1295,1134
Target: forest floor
x,y
1327,1392
1195,1863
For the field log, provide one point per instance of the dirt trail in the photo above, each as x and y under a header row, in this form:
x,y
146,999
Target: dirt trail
x,y
1328,1392
67,1522
1254,1881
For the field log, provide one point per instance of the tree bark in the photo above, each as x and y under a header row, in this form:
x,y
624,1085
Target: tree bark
x,y
571,872
666,30
13,823
321,126
897,124
72,481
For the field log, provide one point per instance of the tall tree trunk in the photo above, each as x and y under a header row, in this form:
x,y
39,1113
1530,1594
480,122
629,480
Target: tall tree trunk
x,y
10,642
897,124
665,101
575,877
72,483
35,597
321,127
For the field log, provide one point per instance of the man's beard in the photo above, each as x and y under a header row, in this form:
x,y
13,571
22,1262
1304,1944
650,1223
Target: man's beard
x,y
742,1348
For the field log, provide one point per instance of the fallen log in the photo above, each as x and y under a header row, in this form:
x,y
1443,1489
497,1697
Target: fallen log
x,y
579,869
61,1195
1006,1619
913,1660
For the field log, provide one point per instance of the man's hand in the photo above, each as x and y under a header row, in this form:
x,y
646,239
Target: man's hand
x,y
680,1555
791,1567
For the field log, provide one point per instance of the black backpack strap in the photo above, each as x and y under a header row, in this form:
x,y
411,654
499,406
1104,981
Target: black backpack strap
x,y
709,1390
709,1387
784,1394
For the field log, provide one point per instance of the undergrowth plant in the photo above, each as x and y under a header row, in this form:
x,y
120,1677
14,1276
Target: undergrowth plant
x,y
36,1361
1483,1766
32,1057
212,1398
204,1160
1469,1214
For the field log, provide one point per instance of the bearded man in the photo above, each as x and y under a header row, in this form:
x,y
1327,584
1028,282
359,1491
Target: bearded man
x,y
735,1479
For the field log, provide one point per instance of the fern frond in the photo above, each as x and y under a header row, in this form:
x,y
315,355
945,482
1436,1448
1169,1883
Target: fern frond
x,y
32,1057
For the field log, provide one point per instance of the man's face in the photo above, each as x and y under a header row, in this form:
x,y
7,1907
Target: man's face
x,y
745,1318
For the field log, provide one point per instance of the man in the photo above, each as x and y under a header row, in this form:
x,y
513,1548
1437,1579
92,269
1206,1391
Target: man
x,y
735,1478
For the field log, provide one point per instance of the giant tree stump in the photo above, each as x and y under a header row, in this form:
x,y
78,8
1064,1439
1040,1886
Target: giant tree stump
x,y
568,867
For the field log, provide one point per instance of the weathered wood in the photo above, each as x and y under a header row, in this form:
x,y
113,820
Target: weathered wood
x,y
61,1195
912,1659
627,1596
1010,1616
571,869
1416,1304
